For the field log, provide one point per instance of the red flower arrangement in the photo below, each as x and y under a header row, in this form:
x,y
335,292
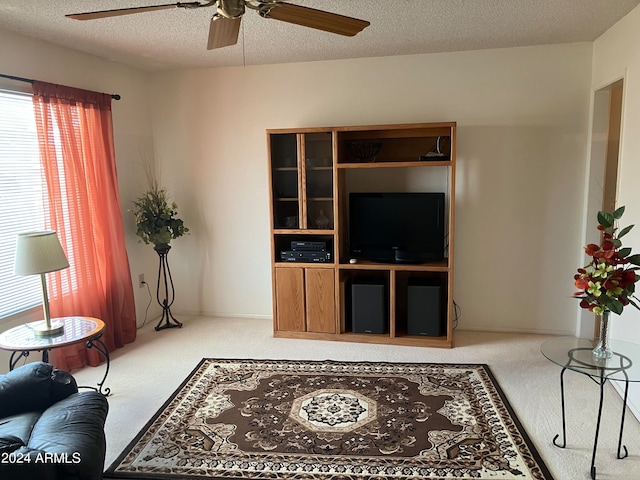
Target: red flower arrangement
x,y
607,282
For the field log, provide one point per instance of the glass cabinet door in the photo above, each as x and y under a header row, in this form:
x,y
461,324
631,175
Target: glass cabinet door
x,y
285,181
318,153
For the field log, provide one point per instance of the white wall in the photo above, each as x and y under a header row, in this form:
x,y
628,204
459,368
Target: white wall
x,y
25,57
523,123
522,115
616,55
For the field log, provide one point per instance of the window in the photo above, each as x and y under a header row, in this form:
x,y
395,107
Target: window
x,y
21,197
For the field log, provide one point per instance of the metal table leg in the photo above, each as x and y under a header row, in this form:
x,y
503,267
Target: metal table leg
x,y
99,345
564,421
602,381
13,361
624,410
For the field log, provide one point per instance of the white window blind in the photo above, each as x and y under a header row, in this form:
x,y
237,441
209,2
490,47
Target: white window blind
x,y
21,197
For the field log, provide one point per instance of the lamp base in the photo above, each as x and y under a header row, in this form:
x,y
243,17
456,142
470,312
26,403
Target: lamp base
x,y
41,330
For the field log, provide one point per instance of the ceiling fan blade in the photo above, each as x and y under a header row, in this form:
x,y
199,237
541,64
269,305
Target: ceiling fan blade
x,y
223,32
123,11
318,19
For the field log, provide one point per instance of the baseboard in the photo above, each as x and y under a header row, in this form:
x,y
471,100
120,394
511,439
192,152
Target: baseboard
x,y
188,313
633,408
180,315
460,328
516,330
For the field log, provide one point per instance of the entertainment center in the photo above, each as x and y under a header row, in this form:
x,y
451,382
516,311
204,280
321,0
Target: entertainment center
x,y
362,233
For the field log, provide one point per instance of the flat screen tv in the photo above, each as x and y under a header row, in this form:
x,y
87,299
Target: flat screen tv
x,y
397,227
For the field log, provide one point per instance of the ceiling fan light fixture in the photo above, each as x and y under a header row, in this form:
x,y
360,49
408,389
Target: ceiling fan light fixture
x,y
230,8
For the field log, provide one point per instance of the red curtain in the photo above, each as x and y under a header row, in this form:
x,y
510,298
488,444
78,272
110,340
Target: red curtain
x,y
76,148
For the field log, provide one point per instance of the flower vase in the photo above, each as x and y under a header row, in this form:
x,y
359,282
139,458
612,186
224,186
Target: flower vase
x,y
603,348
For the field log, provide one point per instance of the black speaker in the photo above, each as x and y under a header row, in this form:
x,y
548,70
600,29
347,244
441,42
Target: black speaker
x,y
369,312
424,315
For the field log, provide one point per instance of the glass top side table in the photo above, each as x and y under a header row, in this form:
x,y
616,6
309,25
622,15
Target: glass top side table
x,y
575,354
22,340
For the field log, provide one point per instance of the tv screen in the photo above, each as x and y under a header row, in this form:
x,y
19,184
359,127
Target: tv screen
x,y
396,227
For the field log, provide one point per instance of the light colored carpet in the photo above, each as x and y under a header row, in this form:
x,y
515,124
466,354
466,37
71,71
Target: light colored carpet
x,y
144,374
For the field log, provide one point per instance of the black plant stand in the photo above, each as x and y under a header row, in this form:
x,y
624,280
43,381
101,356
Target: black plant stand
x,y
164,273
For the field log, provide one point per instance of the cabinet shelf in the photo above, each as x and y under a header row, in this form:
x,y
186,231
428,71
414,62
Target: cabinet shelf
x,y
320,169
285,169
305,265
398,164
381,339
300,231
387,339
423,267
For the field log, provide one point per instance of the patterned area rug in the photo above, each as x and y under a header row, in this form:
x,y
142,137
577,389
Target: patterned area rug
x,y
263,419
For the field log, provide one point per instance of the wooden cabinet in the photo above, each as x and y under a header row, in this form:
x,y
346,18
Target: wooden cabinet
x,y
312,173
305,300
289,293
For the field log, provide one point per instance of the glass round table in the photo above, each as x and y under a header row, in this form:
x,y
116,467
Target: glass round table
x,y
22,340
575,354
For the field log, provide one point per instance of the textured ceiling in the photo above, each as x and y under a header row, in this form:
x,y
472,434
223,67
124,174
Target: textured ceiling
x,y
177,38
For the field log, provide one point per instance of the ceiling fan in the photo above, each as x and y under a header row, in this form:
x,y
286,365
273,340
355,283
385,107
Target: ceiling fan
x,y
225,23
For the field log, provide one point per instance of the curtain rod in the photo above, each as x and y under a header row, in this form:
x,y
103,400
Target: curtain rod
x,y
115,96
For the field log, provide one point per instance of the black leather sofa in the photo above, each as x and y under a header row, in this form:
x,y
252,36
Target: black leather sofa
x,y
49,430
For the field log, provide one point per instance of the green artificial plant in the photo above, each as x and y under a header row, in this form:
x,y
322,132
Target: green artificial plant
x,y
156,220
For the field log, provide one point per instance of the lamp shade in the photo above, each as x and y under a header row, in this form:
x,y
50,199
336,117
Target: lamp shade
x,y
39,252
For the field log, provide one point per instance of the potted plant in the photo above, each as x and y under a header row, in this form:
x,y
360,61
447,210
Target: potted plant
x,y
607,283
156,220
157,223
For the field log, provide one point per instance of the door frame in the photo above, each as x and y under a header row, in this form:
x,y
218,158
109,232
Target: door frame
x,y
602,175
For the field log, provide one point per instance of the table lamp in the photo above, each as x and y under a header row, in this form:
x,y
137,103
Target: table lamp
x,y
41,253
